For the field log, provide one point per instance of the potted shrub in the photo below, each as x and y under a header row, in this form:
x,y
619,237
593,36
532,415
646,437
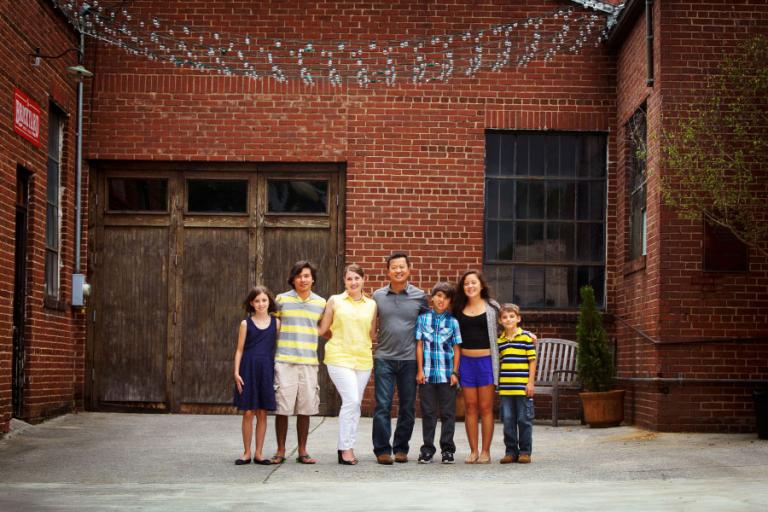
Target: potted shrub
x,y
602,406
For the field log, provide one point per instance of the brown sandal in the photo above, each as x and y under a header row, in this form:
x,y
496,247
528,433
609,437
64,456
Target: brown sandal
x,y
305,459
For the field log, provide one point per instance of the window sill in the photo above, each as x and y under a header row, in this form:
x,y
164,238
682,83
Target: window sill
x,y
54,304
635,265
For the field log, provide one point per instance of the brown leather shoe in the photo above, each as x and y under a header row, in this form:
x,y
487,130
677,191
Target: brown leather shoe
x,y
401,457
524,458
508,459
385,459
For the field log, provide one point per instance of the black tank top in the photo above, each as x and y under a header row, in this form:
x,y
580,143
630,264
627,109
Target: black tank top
x,y
474,331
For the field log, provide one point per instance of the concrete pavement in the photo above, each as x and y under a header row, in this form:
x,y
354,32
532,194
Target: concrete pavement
x,y
103,461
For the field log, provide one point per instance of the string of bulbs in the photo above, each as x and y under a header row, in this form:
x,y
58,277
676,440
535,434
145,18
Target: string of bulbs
x,y
434,58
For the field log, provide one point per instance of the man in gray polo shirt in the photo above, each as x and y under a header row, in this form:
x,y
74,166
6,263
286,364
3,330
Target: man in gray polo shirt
x,y
399,305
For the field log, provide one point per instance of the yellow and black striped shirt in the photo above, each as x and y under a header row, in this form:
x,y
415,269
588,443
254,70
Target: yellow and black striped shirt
x,y
515,356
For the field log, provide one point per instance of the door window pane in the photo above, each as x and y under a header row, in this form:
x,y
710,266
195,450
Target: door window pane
x,y
217,196
297,196
137,194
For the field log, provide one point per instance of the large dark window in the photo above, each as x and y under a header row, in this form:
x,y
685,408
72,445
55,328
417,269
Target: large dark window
x,y
53,201
637,139
545,216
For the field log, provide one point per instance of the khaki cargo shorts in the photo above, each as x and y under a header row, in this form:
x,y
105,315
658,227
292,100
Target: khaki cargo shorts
x,y
296,389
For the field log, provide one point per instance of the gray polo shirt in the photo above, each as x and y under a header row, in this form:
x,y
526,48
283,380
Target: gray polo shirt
x,y
398,313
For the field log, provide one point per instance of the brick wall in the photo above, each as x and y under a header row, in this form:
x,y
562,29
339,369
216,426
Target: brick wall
x,y
415,166
668,296
414,154
52,360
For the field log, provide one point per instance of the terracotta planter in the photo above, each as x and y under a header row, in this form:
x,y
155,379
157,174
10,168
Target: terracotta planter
x,y
603,409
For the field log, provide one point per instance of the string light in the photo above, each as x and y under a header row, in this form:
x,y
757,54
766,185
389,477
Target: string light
x,y
433,58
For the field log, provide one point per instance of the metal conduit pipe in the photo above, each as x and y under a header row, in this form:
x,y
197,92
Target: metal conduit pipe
x,y
79,159
649,41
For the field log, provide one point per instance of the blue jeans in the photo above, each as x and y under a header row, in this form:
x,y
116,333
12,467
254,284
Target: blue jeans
x,y
517,416
388,373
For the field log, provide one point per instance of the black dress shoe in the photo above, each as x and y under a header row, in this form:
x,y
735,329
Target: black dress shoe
x,y
242,462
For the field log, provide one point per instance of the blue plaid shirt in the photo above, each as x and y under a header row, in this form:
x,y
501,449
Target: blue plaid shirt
x,y
438,334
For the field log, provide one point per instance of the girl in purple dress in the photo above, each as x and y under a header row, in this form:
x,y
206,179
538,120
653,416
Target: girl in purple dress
x,y
254,370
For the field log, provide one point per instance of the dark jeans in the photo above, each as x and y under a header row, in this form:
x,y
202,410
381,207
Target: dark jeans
x,y
436,397
517,416
388,373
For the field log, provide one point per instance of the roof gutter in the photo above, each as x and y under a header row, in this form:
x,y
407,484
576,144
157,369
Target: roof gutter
x,y
624,22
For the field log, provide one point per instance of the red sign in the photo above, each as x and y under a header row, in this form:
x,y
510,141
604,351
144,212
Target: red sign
x,y
26,117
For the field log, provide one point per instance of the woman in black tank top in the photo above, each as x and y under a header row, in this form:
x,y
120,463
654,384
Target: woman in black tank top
x,y
475,312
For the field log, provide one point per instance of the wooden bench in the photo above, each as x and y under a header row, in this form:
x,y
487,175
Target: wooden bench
x,y
555,370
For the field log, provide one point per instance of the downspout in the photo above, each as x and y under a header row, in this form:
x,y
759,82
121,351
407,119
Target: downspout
x,y
649,41
79,158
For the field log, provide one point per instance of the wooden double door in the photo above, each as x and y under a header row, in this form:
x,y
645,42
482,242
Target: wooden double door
x,y
173,253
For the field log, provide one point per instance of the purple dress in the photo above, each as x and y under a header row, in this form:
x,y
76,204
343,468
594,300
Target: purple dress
x,y
257,368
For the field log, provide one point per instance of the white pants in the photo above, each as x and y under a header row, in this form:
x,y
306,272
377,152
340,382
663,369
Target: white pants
x,y
351,385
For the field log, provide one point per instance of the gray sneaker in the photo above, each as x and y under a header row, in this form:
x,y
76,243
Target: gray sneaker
x,y
448,458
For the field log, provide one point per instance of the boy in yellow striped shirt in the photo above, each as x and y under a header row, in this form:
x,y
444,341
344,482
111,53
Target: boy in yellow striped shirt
x,y
517,357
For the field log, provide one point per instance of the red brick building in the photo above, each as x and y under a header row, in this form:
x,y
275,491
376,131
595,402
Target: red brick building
x,y
203,178
41,337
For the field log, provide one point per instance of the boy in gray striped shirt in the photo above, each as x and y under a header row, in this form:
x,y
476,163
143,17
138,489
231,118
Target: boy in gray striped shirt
x,y
296,365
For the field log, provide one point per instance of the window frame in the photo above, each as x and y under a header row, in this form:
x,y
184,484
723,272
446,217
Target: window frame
x,y
54,203
572,268
636,131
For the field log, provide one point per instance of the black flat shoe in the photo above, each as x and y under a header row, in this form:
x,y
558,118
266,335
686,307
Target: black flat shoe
x,y
242,462
262,462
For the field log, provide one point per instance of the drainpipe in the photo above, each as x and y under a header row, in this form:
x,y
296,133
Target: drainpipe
x,y
649,41
79,159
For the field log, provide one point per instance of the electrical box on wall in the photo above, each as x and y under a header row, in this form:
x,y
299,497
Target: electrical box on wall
x,y
80,289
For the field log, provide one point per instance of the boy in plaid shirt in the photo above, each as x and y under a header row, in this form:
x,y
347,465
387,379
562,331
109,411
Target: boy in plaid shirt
x,y
437,331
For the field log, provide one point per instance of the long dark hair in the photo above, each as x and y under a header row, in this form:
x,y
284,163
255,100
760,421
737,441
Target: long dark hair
x,y
460,298
255,292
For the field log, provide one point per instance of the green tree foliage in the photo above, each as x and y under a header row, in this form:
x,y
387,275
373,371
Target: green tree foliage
x,y
716,157
593,359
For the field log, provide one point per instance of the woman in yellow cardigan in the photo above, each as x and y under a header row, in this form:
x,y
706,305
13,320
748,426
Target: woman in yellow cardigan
x,y
351,319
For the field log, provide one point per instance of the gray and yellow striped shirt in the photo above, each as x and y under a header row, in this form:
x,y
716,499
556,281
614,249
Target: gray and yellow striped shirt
x,y
297,341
